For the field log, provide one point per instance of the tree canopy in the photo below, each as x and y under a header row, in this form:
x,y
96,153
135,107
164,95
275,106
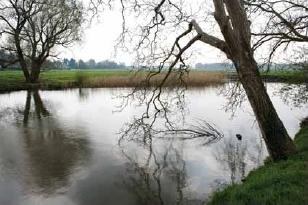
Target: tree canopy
x,y
31,29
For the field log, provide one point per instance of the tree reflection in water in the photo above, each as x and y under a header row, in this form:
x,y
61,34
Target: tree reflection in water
x,y
235,157
84,94
159,176
232,155
53,152
294,94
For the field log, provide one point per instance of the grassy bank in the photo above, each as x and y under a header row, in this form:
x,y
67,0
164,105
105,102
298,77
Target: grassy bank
x,y
62,79
14,80
286,76
283,183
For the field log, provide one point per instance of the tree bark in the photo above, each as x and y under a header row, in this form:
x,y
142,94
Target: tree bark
x,y
25,72
235,27
21,58
276,137
35,72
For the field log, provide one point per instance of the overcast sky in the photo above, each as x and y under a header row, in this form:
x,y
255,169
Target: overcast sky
x,y
100,37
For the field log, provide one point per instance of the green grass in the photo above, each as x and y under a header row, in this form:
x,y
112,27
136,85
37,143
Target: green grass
x,y
55,79
286,76
11,80
283,183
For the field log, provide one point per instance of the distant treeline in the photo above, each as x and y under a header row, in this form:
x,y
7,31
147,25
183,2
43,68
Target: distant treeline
x,y
67,64
90,64
214,66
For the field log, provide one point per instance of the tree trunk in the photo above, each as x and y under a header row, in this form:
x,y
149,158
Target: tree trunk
x,y
278,142
21,59
25,72
235,27
35,72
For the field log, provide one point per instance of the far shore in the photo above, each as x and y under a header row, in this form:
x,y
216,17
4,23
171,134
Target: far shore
x,y
65,79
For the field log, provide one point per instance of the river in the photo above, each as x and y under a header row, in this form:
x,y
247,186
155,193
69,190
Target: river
x,y
62,147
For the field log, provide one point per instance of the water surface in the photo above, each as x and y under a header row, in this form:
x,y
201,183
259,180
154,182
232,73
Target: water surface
x,y
61,147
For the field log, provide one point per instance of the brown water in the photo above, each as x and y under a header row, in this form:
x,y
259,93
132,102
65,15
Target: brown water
x,y
61,147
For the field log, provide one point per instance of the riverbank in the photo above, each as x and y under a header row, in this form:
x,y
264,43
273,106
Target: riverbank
x,y
286,76
294,77
64,79
53,80
283,183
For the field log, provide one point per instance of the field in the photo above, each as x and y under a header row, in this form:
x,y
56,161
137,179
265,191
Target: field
x,y
14,80
286,76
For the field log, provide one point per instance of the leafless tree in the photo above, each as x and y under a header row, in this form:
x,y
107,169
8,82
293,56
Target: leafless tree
x,y
33,28
279,27
285,23
184,22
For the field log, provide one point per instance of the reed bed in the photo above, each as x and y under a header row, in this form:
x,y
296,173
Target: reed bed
x,y
193,79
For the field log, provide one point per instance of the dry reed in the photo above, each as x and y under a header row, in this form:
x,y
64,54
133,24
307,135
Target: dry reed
x,y
193,79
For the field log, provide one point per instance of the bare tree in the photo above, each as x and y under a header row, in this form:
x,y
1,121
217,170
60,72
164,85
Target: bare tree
x,y
285,22
279,28
234,41
33,28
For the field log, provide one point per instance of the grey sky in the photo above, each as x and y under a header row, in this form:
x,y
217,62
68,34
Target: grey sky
x,y
100,37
